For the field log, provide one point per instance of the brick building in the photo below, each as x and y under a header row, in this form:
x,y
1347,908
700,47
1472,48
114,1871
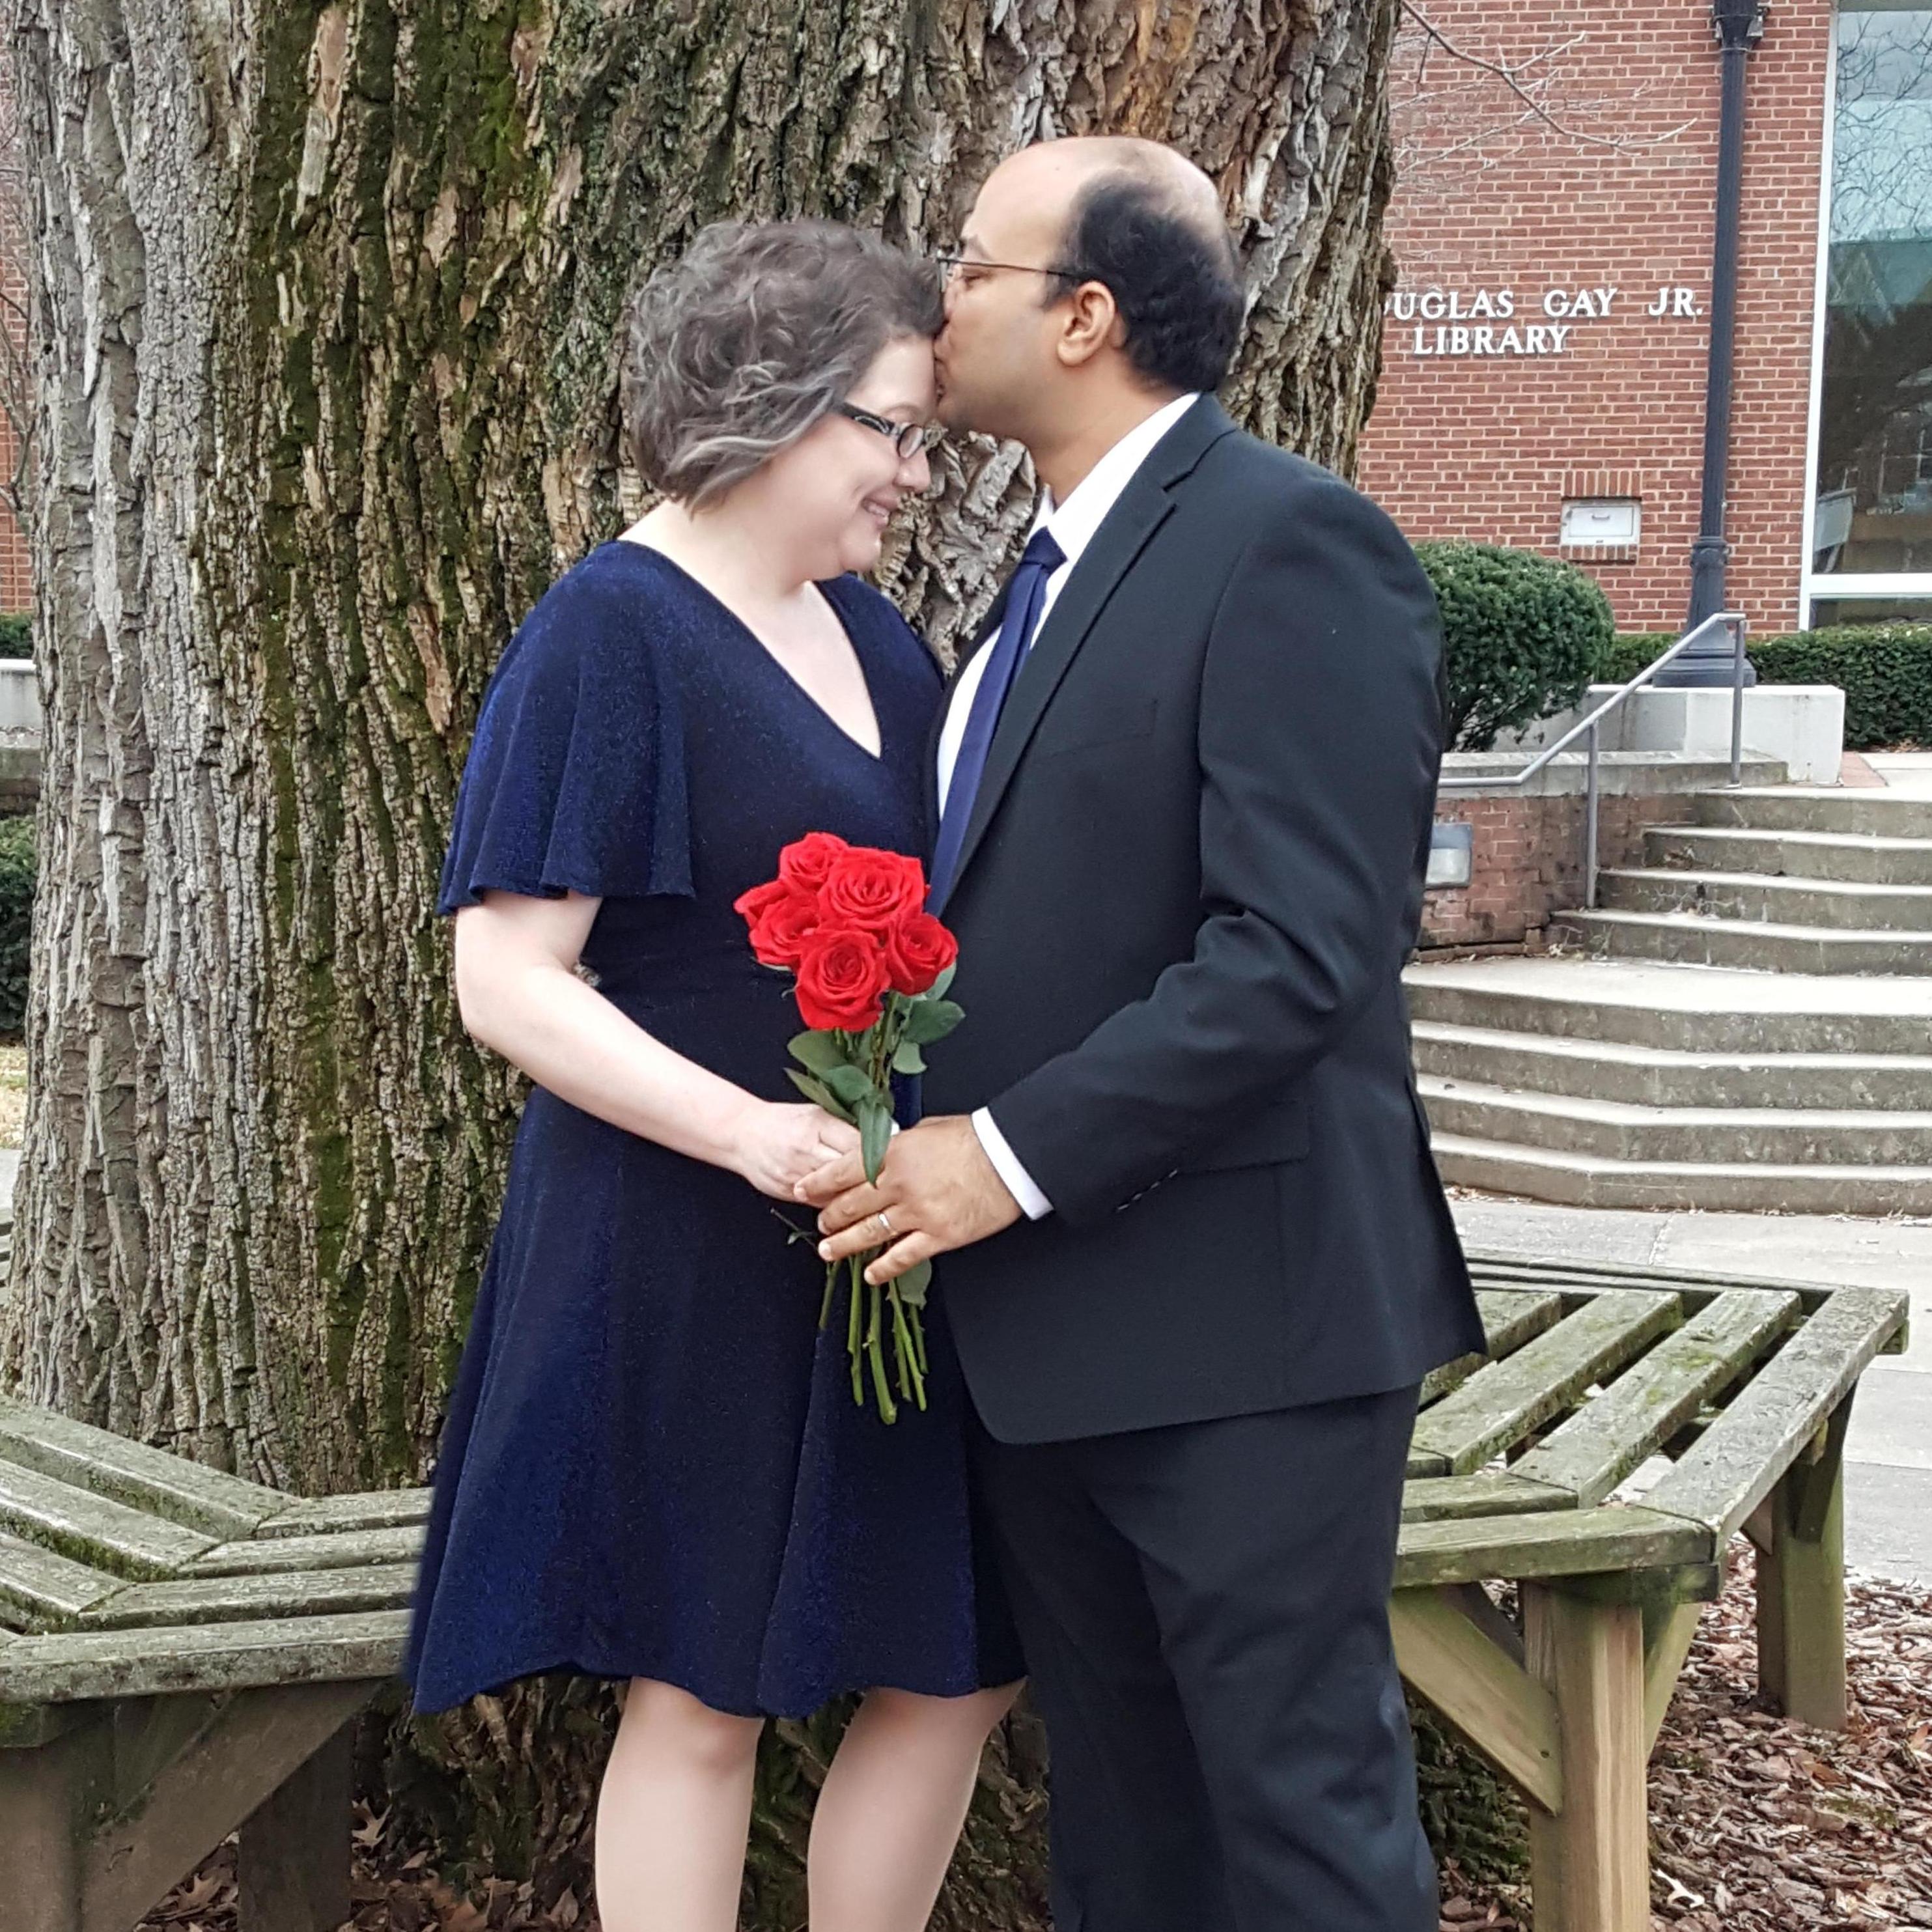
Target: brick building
x,y
1544,361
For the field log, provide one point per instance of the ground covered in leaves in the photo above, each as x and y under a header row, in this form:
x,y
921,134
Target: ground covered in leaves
x,y
1757,1824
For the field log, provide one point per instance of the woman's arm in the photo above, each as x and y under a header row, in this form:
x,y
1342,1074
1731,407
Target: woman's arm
x,y
518,995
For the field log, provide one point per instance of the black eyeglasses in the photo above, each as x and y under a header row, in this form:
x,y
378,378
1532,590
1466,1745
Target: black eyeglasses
x,y
952,262
908,439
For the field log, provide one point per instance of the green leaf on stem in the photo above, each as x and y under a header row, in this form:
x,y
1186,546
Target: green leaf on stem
x,y
819,1052
820,1095
875,1133
913,1284
851,1084
937,991
908,1059
933,1019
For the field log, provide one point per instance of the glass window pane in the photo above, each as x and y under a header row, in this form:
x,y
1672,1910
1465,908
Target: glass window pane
x,y
1870,610
1873,511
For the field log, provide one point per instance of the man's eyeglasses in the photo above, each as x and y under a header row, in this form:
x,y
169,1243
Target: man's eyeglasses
x,y
952,264
908,439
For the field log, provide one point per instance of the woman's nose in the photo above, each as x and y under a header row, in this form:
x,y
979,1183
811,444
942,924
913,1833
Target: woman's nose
x,y
915,475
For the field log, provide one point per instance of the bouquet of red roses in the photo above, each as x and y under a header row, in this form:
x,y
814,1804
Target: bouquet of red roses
x,y
870,967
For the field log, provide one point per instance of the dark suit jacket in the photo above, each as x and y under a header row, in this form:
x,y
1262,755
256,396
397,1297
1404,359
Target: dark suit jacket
x,y
1193,874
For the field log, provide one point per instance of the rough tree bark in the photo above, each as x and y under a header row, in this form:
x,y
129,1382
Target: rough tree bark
x,y
326,299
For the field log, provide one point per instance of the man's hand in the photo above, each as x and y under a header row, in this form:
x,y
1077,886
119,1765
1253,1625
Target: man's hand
x,y
937,1190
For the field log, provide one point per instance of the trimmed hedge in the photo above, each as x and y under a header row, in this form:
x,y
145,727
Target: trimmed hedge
x,y
16,634
1523,635
1884,670
16,916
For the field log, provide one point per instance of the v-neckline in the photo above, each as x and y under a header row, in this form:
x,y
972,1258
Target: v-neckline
x,y
772,658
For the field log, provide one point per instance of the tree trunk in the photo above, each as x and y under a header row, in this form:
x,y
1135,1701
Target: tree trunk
x,y
326,299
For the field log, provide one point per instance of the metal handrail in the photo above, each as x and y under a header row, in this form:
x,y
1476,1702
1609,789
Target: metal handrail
x,y
1731,621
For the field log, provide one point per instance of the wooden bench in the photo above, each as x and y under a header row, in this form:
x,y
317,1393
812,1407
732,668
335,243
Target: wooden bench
x,y
181,1652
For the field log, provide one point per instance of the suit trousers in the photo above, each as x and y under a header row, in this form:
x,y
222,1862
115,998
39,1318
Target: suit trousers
x,y
1205,1612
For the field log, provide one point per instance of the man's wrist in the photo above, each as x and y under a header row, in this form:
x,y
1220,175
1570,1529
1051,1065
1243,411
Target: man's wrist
x,y
1020,1184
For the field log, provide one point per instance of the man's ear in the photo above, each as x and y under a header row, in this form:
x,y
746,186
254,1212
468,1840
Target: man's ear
x,y
1093,323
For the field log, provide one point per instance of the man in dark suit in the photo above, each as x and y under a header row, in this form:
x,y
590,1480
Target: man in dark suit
x,y
1198,1258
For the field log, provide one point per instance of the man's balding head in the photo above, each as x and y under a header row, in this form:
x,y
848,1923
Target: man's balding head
x,y
1143,220
1068,172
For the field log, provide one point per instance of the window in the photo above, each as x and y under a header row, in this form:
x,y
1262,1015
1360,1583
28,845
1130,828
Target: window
x,y
1871,520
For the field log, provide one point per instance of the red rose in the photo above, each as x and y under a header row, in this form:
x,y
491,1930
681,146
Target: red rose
x,y
780,916
841,979
918,949
806,862
872,889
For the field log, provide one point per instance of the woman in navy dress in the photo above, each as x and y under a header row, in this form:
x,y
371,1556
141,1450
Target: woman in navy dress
x,y
652,1467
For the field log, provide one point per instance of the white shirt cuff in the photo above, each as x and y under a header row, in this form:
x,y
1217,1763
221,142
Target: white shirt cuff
x,y
1019,1184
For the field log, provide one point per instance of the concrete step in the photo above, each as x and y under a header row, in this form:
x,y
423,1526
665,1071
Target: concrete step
x,y
1845,906
1638,1003
1805,808
1616,1130
1853,857
1690,939
1532,1062
1754,1187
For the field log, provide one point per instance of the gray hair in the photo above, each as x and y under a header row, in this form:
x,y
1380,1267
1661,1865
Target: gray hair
x,y
732,351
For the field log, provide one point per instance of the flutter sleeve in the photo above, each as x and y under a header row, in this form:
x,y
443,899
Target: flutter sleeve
x,y
575,780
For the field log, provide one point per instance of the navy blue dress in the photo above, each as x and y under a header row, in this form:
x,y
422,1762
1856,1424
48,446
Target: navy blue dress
x,y
652,1465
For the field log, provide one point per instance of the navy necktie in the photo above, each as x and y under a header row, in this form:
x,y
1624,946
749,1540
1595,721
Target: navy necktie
x,y
1025,595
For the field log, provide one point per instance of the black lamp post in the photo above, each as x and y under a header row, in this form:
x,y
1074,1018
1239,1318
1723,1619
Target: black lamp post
x,y
1739,26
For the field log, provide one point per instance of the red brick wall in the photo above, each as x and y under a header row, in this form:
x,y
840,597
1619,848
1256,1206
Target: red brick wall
x,y
1490,196
1529,861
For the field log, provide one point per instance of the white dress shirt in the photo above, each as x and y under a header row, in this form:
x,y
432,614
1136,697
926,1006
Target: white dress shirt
x,y
1073,524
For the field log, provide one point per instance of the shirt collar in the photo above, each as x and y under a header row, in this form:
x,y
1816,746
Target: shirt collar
x,y
1075,522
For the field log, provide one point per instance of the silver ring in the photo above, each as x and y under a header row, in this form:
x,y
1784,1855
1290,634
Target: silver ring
x,y
885,1226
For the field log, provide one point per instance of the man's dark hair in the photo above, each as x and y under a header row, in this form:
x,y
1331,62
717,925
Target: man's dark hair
x,y
1175,278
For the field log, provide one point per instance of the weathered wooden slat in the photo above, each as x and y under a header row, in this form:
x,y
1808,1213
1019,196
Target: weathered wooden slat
x,y
38,1588
1735,1463
1441,1499
368,1509
1513,1316
302,1593
1552,1543
344,1550
366,1646
146,1478
1612,1434
1509,1318
1493,1268
78,1524
1503,1403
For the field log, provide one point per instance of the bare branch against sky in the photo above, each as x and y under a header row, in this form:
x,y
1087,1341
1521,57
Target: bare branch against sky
x,y
1459,104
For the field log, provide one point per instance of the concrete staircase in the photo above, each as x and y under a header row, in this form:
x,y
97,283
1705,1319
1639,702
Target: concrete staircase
x,y
1746,1024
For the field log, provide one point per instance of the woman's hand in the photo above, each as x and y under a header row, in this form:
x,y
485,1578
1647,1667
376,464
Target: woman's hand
x,y
778,1142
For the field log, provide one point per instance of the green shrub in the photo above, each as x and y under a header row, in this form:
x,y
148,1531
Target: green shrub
x,y
16,914
17,634
1523,635
1884,670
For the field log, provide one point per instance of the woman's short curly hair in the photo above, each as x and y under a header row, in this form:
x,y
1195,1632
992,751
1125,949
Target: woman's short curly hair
x,y
733,351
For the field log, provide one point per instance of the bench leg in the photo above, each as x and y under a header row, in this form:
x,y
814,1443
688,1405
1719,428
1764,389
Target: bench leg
x,y
45,1796
1590,1863
1801,1586
292,1853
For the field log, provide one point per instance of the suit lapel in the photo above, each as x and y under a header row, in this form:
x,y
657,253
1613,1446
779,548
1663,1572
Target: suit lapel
x,y
1144,506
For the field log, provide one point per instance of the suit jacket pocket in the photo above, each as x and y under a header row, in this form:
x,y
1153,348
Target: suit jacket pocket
x,y
1281,1134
